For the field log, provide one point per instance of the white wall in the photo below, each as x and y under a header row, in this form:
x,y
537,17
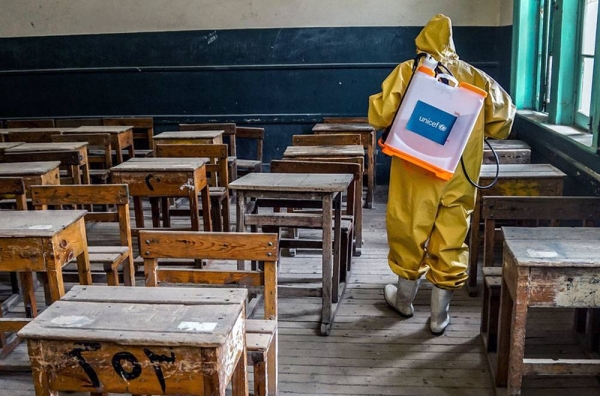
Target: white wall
x,y
65,17
506,12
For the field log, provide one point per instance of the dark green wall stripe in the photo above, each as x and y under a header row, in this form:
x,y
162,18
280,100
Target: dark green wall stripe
x,y
284,79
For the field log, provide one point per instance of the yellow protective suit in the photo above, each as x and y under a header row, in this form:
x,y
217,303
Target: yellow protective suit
x,y
428,218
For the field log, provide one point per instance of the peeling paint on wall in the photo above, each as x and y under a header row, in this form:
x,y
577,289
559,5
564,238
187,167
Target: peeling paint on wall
x,y
69,17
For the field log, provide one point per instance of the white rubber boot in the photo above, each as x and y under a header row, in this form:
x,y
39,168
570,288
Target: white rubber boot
x,y
400,298
440,305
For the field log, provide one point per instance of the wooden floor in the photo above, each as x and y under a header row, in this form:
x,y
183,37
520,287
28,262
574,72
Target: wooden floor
x,y
372,351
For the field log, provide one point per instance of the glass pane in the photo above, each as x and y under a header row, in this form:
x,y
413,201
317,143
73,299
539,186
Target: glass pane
x,y
585,88
590,15
548,83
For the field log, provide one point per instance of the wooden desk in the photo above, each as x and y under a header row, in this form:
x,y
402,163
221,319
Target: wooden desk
x,y
551,268
33,173
189,137
322,153
143,130
140,341
513,179
6,145
78,170
368,140
324,188
5,131
45,241
34,135
508,151
122,137
165,177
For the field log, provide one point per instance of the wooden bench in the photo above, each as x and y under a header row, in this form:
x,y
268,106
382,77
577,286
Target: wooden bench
x,y
368,137
216,172
245,137
351,217
110,258
10,326
122,138
490,308
513,180
33,135
327,189
77,122
30,123
229,130
14,187
342,139
6,145
508,151
261,338
346,120
550,211
143,131
99,153
72,156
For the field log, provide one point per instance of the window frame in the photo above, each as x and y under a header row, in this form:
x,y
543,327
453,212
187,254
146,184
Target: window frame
x,y
530,30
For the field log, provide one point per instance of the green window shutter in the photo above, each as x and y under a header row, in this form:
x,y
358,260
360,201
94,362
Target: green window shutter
x,y
564,63
524,53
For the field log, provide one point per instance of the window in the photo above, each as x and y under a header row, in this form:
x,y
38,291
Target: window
x,y
586,60
554,72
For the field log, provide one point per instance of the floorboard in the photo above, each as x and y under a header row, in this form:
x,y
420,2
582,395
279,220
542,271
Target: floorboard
x,y
371,350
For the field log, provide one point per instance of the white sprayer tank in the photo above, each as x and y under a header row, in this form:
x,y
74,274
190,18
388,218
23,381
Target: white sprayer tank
x,y
434,121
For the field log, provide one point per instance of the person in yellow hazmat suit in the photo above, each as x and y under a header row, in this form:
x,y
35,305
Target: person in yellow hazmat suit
x,y
428,218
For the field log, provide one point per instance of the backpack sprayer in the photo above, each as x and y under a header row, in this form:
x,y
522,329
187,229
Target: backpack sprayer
x,y
434,121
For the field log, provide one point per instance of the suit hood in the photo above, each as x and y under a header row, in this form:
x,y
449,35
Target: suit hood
x,y
436,39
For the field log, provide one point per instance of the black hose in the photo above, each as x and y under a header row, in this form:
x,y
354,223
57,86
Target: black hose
x,y
416,61
462,163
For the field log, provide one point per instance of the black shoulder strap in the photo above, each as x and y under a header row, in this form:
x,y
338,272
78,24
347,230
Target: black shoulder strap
x,y
416,61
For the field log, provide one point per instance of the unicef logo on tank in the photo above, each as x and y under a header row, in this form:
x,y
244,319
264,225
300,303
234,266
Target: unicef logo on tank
x,y
434,124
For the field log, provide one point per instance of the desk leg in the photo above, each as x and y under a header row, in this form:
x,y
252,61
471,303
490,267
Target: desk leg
x,y
370,163
55,280
489,235
83,260
139,212
239,380
506,308
593,329
205,208
240,211
119,151
358,221
38,371
131,150
155,210
166,216
83,267
85,173
240,220
76,174
27,283
326,315
337,236
517,336
474,247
